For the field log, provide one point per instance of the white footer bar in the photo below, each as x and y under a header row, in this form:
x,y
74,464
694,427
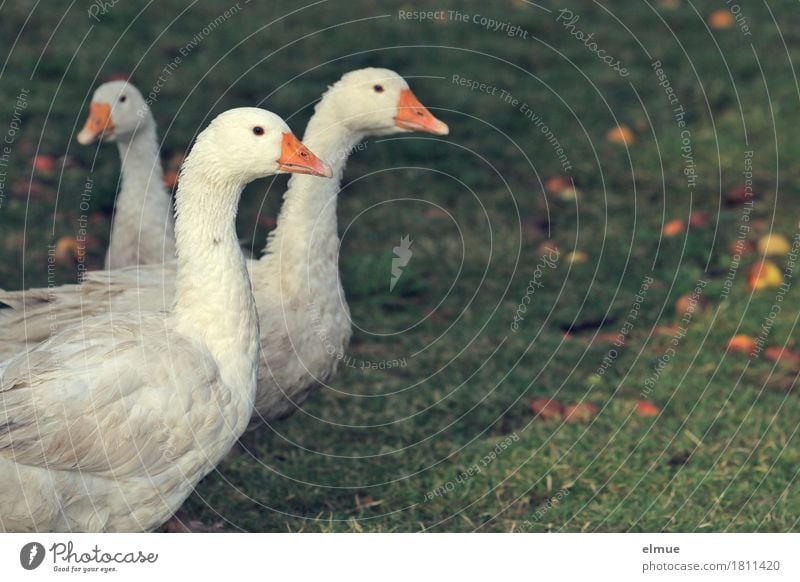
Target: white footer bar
x,y
401,557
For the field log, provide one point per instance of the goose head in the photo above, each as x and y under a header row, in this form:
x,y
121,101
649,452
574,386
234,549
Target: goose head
x,y
116,113
380,102
248,143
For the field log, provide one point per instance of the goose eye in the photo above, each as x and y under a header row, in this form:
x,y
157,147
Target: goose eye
x,y
122,99
258,130
378,88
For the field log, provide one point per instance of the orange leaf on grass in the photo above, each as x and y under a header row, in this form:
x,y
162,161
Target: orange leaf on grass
x,y
557,184
783,355
742,344
647,409
46,164
721,19
548,248
584,412
689,305
546,408
673,227
774,245
576,258
621,135
764,275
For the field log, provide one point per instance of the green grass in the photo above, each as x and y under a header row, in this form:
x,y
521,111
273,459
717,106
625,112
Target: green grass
x,y
361,456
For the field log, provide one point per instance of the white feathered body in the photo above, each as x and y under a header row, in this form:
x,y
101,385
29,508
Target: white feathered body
x,y
304,318
89,411
142,231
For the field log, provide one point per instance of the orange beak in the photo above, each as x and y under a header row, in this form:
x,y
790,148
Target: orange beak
x,y
298,159
99,122
412,115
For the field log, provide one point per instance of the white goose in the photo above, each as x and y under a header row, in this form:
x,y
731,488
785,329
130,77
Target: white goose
x,y
109,425
142,232
305,320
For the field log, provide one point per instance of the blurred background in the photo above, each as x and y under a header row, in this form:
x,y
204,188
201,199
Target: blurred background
x,y
582,339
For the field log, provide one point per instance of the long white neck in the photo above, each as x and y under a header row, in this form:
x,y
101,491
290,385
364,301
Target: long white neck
x,y
213,298
302,251
143,218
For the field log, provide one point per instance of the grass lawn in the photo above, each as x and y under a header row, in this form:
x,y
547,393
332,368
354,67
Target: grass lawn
x,y
430,428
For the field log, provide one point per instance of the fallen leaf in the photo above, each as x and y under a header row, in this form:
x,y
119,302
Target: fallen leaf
x,y
774,245
576,257
546,408
673,228
764,275
687,305
584,412
548,247
556,184
569,193
742,344
45,164
782,355
721,19
647,409
699,219
622,135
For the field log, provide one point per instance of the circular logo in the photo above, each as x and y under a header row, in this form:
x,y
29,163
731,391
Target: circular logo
x,y
31,555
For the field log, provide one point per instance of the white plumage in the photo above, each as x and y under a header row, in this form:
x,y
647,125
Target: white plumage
x,y
109,425
142,231
305,321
